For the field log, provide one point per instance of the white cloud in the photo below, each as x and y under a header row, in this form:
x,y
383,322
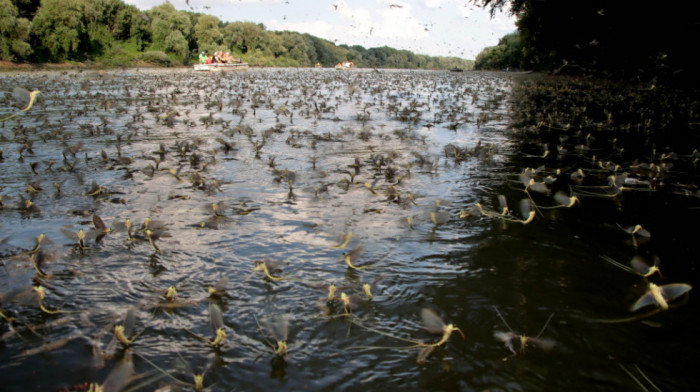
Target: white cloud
x,y
384,21
432,3
318,28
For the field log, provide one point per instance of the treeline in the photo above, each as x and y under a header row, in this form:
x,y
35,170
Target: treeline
x,y
623,39
114,33
508,54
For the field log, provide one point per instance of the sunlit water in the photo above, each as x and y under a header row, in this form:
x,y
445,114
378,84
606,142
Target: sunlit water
x,y
311,127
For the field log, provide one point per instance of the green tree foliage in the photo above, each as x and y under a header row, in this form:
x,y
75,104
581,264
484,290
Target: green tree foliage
x,y
165,19
98,17
140,30
175,43
14,32
59,30
622,39
207,33
115,33
124,18
242,37
507,54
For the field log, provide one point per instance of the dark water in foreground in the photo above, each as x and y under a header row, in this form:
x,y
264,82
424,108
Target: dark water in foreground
x,y
357,147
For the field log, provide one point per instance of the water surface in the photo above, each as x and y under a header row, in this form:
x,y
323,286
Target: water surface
x,y
298,158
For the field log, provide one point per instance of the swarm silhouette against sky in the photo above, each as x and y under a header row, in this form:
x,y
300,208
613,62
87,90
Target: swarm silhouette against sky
x,y
432,27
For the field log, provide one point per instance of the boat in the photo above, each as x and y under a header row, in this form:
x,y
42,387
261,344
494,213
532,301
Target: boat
x,y
345,65
221,67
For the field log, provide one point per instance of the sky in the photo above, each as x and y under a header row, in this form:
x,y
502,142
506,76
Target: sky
x,y
433,27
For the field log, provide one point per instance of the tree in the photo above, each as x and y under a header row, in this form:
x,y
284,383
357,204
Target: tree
x,y
58,29
14,32
273,44
123,21
164,20
175,43
621,39
141,30
507,54
207,33
98,18
296,47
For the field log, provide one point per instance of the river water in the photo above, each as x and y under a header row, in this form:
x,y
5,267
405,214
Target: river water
x,y
403,171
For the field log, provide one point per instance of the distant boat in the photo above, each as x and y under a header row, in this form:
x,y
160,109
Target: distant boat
x,y
221,67
345,65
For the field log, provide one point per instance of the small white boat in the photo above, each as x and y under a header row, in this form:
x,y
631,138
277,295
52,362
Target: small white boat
x,y
221,67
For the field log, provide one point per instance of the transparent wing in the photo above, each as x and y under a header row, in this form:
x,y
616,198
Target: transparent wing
x,y
639,265
644,301
217,320
674,290
562,198
22,95
543,343
503,204
279,328
431,321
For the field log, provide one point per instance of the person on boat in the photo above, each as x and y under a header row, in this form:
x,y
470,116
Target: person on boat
x,y
227,58
209,59
217,57
203,57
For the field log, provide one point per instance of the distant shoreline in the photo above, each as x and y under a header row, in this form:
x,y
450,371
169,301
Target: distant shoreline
x,y
10,66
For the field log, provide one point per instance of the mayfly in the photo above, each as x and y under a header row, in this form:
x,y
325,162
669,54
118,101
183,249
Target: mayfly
x,y
517,343
267,267
661,295
124,332
638,266
23,95
278,329
217,324
352,256
433,324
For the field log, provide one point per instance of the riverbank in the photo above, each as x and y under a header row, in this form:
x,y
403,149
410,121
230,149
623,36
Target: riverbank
x,y
9,66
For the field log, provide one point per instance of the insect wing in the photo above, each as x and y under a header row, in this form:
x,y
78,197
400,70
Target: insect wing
x,y
22,95
432,322
220,285
674,290
22,296
503,204
562,199
542,343
511,340
217,321
121,375
645,300
69,234
525,208
639,265
524,179
356,252
129,321
279,329
99,224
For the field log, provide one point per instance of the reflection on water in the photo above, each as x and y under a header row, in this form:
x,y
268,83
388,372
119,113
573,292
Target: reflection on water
x,y
231,197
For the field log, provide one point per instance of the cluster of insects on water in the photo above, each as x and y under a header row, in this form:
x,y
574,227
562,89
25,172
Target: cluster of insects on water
x,y
171,143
